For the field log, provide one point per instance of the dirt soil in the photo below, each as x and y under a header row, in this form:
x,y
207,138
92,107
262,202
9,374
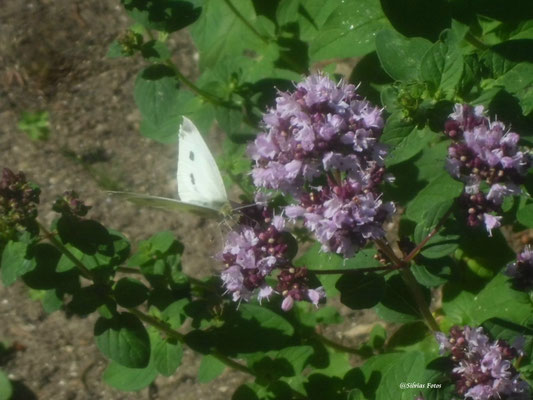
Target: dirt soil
x,y
52,57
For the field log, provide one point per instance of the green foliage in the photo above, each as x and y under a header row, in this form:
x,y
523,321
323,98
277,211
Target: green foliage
x,y
6,388
123,339
416,59
35,124
15,262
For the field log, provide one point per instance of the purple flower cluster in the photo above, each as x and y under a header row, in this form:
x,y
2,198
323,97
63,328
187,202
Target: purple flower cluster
x,y
343,216
483,368
321,146
253,252
521,271
484,154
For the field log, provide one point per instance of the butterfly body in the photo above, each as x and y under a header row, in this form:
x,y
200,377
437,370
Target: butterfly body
x,y
201,190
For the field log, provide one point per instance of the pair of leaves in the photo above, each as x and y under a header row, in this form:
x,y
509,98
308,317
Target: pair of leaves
x,y
165,357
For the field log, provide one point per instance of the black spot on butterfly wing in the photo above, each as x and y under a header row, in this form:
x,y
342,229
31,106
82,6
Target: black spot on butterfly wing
x,y
192,179
191,156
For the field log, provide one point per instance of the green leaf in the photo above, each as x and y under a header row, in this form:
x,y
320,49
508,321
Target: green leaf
x,y
130,292
360,291
167,355
128,379
92,244
124,340
470,308
210,368
156,94
394,369
484,255
6,390
519,82
15,262
443,65
525,213
404,138
266,318
378,336
431,218
498,328
52,301
297,357
155,50
523,31
315,258
400,56
398,304
324,315
349,30
221,33
163,15
433,273
446,240
35,124
115,50
442,188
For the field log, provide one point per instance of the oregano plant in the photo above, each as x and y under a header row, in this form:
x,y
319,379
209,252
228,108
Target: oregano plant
x,y
399,187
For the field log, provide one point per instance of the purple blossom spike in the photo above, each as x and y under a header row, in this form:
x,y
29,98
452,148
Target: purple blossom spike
x,y
484,154
320,127
521,271
483,368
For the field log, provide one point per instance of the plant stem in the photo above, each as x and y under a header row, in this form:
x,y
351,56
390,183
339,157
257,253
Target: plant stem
x,y
474,41
128,270
407,259
348,271
211,98
423,307
51,237
162,327
411,283
338,346
389,252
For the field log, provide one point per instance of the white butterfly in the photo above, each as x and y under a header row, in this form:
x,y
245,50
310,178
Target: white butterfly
x,y
200,186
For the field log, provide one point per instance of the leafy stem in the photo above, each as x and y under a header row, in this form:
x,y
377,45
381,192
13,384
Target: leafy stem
x,y
84,271
148,319
407,259
411,283
209,97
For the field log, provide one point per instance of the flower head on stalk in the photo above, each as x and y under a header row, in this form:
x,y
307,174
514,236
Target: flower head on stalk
x,y
483,368
322,147
258,248
521,271
318,127
484,154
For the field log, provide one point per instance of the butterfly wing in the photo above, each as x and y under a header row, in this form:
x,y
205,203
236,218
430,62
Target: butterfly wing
x,y
199,180
168,204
